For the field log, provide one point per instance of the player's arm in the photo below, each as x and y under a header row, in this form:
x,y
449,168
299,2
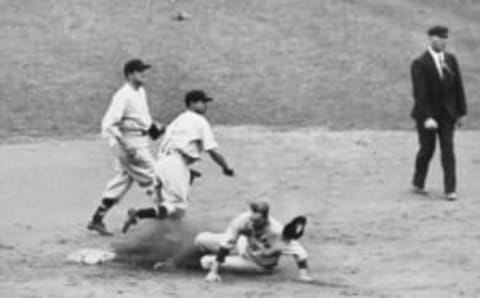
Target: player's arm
x,y
112,120
231,237
211,146
218,158
213,274
113,117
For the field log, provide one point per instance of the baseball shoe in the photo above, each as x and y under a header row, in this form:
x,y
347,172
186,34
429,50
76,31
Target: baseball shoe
x,y
131,220
99,227
451,196
419,190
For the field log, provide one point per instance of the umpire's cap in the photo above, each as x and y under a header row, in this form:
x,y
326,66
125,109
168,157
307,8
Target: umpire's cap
x,y
135,65
195,96
439,31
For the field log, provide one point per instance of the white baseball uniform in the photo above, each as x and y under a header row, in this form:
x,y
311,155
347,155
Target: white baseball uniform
x,y
129,113
251,249
185,139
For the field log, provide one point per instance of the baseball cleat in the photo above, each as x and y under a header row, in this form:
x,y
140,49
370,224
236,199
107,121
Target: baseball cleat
x,y
99,227
419,190
451,196
131,220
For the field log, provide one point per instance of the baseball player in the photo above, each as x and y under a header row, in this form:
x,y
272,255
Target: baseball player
x,y
257,240
128,125
183,142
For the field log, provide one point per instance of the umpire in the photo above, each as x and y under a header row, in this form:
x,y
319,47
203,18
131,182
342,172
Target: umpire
x,y
439,103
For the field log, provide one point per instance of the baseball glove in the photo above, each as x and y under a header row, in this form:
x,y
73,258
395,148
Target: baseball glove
x,y
155,131
295,228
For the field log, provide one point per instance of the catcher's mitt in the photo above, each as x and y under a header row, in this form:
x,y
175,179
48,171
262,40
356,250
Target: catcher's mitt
x,y
295,228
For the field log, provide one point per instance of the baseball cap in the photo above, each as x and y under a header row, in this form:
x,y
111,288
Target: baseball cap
x,y
196,95
439,31
135,65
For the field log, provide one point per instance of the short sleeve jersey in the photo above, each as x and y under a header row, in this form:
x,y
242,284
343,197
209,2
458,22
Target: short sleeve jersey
x,y
190,133
264,247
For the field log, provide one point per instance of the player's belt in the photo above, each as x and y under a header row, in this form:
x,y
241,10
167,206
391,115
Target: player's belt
x,y
134,132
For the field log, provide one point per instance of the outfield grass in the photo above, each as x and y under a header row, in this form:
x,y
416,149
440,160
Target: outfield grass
x,y
338,64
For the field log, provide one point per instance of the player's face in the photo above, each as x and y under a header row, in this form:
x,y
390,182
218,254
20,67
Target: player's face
x,y
138,77
199,107
259,222
438,43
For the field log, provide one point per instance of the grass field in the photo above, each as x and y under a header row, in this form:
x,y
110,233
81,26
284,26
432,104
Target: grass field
x,y
337,64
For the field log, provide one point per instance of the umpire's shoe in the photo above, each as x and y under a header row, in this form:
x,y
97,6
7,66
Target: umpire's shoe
x,y
131,220
99,227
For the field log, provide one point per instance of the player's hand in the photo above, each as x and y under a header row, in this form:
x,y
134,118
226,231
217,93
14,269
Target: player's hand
x,y
213,276
431,124
228,172
460,121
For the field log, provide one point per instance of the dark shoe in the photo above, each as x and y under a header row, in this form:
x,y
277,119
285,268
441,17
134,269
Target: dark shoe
x,y
131,220
451,196
99,227
419,190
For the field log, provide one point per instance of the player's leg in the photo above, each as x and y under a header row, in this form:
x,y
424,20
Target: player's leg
x,y
159,212
171,199
234,263
141,168
209,242
113,193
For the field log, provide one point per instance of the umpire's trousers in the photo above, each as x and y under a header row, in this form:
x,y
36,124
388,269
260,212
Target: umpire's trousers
x,y
427,140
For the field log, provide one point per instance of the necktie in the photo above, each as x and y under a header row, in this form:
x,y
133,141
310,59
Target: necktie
x,y
444,67
441,62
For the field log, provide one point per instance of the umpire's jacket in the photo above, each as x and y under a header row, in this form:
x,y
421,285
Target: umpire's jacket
x,y
433,95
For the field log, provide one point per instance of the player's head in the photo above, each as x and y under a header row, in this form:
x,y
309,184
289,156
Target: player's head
x,y
260,210
438,36
196,100
134,71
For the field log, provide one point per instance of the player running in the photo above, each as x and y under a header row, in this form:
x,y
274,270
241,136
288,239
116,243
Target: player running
x,y
128,125
185,139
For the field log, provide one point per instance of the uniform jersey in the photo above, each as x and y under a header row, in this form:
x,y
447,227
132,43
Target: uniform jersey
x,y
128,111
190,134
263,247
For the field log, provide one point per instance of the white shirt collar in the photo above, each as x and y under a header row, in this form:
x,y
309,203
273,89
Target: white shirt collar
x,y
434,54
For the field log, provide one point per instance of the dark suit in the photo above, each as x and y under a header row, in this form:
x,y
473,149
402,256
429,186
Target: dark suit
x,y
442,99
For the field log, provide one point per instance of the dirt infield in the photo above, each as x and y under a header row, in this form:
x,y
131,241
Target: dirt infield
x,y
368,236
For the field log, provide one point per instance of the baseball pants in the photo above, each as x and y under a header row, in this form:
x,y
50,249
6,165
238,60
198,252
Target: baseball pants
x,y
128,169
173,175
239,261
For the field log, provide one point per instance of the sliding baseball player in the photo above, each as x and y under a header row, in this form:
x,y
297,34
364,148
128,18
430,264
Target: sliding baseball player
x,y
253,241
